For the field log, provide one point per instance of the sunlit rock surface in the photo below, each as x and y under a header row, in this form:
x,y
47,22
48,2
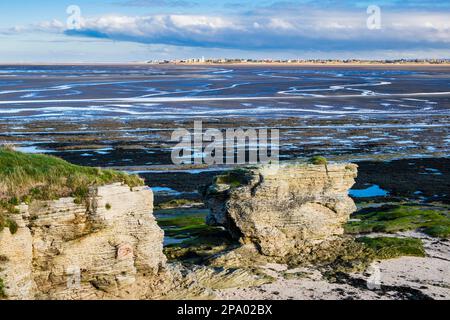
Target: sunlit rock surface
x,y
107,247
283,210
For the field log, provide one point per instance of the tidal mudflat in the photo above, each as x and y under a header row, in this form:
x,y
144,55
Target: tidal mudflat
x,y
123,116
392,121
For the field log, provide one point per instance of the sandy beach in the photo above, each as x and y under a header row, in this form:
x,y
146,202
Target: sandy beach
x,y
409,278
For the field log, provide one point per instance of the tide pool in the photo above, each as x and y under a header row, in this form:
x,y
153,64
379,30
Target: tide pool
x,y
372,191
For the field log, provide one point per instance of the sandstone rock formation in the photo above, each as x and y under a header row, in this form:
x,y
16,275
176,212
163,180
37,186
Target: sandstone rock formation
x,y
109,247
283,210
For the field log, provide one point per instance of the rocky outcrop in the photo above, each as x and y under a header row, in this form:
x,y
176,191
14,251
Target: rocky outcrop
x,y
110,247
105,248
283,210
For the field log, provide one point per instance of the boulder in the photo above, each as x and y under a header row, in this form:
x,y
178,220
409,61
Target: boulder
x,y
285,209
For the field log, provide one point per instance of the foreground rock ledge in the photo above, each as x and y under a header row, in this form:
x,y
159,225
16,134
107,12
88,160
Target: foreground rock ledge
x,y
109,247
283,210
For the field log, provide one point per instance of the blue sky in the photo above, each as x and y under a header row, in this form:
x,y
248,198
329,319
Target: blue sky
x,y
139,30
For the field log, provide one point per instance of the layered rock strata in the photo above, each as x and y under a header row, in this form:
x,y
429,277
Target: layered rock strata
x,y
107,247
283,210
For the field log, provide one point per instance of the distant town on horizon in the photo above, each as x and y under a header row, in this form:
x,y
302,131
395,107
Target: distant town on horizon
x,y
296,61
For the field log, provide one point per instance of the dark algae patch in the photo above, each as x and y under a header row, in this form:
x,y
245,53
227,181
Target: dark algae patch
x,y
432,220
183,225
318,160
187,237
176,203
389,247
392,291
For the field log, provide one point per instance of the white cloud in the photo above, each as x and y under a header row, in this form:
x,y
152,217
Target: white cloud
x,y
314,30
280,24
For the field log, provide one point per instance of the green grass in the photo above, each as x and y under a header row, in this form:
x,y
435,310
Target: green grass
x,y
27,177
318,160
45,177
388,248
234,178
357,255
392,219
438,231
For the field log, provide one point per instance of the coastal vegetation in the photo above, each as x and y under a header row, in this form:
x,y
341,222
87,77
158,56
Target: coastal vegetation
x,y
192,241
391,247
183,226
24,177
434,221
6,222
357,254
234,178
176,203
27,177
318,160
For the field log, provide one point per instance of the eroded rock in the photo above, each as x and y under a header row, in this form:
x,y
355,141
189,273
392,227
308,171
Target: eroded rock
x,y
283,210
109,247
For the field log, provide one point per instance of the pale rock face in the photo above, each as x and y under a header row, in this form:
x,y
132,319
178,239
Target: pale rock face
x,y
15,262
105,249
284,209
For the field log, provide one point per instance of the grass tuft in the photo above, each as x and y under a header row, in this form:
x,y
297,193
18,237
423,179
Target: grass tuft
x,y
6,222
318,160
46,177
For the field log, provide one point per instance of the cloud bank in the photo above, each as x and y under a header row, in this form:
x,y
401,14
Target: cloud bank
x,y
269,29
